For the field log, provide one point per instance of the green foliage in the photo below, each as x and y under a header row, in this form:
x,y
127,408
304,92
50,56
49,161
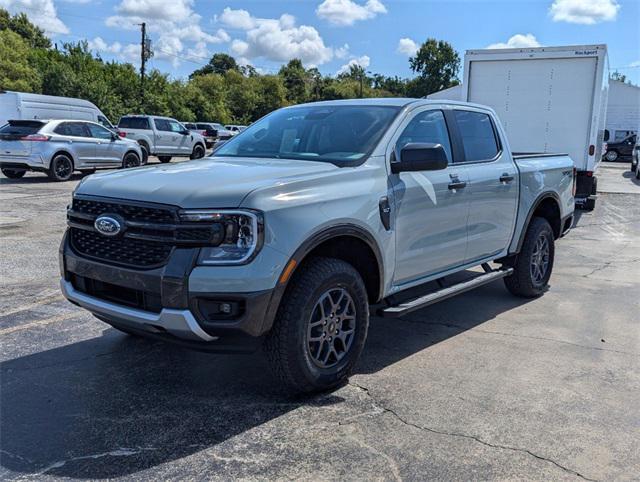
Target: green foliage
x,y
34,36
220,63
15,71
221,91
437,65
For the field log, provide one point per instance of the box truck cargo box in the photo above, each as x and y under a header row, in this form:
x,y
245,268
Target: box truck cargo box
x,y
549,99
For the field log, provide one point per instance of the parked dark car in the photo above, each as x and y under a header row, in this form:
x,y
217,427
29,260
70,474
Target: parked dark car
x,y
620,150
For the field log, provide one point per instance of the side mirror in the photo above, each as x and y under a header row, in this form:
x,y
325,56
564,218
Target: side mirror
x,y
114,136
606,135
420,157
185,132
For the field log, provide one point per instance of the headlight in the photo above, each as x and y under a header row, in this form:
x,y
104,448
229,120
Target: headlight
x,y
241,237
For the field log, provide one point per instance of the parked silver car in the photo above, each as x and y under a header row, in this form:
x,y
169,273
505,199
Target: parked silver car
x,y
60,147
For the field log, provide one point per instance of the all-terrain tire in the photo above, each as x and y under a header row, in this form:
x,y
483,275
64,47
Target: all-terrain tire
x,y
287,345
61,168
526,281
13,173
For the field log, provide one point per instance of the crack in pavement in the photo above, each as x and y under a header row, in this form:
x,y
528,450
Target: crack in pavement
x,y
475,438
514,335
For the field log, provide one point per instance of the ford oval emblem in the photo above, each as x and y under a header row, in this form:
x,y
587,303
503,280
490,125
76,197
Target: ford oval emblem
x,y
107,225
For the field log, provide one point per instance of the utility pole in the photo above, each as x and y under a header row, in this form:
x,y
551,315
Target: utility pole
x,y
143,59
145,54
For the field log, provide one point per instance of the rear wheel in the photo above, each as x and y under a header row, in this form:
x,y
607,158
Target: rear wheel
x,y
14,173
321,326
611,156
131,159
533,265
164,159
198,152
61,168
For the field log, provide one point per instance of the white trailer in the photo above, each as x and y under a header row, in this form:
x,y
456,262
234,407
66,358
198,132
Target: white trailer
x,y
549,99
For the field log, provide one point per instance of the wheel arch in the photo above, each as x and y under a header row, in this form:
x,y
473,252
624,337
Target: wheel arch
x,y
66,153
547,206
348,242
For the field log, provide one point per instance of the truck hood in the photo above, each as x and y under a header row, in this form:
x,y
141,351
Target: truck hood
x,y
205,183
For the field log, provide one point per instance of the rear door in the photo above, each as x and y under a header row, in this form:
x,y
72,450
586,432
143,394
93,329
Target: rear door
x,y
431,215
493,184
81,144
108,150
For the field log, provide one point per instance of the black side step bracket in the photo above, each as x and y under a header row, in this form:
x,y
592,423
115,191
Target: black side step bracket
x,y
443,294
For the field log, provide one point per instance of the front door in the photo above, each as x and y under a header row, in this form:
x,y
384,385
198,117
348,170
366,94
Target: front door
x,y
182,141
493,185
166,137
431,207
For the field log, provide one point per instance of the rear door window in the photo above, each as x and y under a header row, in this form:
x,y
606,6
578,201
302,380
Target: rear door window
x,y
74,129
478,136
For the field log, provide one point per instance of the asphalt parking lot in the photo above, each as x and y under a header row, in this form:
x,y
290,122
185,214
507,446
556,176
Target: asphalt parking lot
x,y
481,386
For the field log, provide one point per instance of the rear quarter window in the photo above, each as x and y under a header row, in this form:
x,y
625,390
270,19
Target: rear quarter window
x,y
478,136
134,123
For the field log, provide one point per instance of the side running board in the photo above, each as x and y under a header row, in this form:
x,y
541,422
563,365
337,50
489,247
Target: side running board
x,y
443,294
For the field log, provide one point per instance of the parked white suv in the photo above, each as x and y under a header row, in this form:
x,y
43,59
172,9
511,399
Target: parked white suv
x,y
162,136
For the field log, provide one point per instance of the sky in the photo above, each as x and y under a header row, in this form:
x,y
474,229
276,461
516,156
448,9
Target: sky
x,y
379,35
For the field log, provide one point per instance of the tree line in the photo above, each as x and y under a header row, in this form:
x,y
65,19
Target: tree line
x,y
221,91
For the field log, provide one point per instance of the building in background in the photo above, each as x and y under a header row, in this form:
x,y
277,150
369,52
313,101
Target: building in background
x,y
623,110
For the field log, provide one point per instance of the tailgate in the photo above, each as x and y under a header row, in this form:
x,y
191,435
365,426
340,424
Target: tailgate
x,y
15,148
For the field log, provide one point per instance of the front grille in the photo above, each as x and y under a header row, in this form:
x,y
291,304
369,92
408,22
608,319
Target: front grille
x,y
126,251
150,233
138,213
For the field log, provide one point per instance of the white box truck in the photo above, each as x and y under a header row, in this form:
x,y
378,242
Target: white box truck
x,y
26,106
549,99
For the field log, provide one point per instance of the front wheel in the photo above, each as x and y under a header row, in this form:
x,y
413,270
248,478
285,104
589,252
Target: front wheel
x,y
533,264
131,159
321,326
13,173
164,159
198,152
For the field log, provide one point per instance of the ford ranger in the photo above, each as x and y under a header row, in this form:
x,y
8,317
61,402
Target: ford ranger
x,y
292,231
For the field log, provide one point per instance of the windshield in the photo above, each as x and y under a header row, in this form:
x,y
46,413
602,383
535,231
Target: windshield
x,y
342,135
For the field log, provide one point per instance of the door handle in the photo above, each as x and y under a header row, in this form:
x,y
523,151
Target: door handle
x,y
506,177
455,184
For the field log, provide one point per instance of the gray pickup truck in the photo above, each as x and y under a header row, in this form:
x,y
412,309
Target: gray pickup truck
x,y
296,228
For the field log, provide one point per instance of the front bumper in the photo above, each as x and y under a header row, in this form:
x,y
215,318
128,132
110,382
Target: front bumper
x,y
166,303
179,323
